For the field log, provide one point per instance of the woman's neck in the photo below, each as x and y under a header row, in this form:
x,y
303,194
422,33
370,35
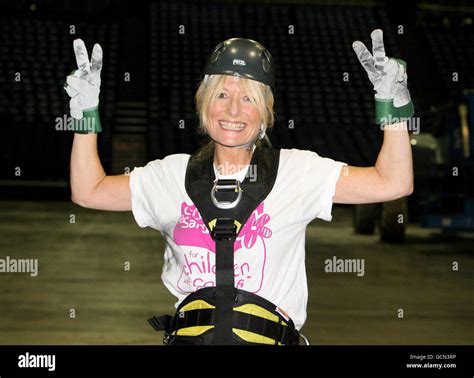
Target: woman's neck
x,y
231,160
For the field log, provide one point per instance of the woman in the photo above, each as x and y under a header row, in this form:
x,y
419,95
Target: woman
x,y
234,215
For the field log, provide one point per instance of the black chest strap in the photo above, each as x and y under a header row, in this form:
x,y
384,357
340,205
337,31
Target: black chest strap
x,y
225,224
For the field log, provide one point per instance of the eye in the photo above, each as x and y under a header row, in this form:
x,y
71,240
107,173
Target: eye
x,y
247,98
221,95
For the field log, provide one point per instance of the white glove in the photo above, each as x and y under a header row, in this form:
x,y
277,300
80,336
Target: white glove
x,y
83,85
388,76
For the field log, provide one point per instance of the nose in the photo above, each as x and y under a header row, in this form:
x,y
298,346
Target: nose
x,y
234,106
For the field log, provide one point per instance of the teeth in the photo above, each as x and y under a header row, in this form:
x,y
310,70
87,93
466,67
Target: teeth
x,y
232,125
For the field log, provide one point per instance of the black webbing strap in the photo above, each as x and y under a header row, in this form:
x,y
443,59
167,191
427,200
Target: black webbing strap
x,y
224,233
199,185
161,323
194,318
278,331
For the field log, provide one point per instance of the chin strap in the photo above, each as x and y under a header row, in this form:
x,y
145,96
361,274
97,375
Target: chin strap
x,y
249,145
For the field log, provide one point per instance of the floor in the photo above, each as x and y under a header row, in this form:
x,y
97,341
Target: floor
x,y
99,280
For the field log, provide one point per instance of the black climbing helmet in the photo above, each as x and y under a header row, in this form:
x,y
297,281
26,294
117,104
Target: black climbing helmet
x,y
242,57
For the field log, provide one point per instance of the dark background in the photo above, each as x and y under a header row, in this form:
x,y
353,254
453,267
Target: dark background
x,y
141,117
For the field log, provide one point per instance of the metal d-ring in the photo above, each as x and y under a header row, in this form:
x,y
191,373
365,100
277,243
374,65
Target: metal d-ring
x,y
305,339
220,186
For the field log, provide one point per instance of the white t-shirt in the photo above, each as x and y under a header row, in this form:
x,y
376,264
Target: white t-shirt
x,y
269,258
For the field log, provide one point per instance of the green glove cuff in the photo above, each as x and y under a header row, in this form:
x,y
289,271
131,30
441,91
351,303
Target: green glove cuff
x,y
402,62
387,114
90,122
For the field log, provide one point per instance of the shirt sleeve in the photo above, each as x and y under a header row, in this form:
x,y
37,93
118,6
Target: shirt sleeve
x,y
320,176
150,190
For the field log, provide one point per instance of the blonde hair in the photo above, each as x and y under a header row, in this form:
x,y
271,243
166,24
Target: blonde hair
x,y
260,95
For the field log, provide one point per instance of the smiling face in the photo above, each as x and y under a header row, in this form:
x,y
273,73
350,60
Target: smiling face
x,y
233,116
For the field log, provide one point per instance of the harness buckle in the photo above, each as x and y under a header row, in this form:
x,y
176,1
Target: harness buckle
x,y
224,229
226,187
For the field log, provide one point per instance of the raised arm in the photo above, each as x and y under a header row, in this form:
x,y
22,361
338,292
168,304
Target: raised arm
x,y
389,179
90,187
392,175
